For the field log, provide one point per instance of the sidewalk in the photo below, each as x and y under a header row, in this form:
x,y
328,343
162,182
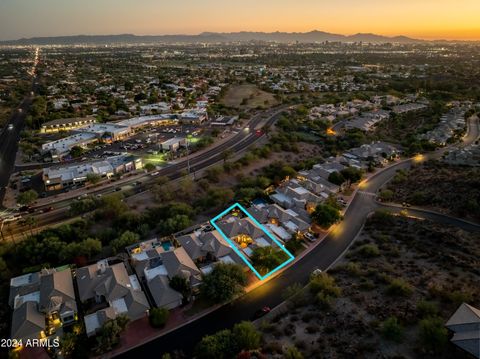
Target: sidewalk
x,y
140,331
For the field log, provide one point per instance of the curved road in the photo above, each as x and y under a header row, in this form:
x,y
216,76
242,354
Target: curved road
x,y
322,256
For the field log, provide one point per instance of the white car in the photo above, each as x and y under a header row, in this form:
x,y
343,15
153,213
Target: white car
x,y
310,236
10,127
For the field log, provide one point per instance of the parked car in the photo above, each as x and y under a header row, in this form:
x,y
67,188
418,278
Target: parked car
x,y
47,209
310,236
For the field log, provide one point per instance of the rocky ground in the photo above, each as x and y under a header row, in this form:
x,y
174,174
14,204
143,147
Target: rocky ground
x,y
411,273
453,190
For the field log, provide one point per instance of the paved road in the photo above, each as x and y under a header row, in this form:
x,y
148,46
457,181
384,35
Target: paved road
x,y
9,143
270,294
238,143
431,215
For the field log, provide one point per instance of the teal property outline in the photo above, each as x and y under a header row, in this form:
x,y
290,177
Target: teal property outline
x,y
241,255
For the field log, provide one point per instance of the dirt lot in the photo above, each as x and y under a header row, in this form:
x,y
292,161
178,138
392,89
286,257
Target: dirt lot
x,y
248,97
453,190
413,271
400,128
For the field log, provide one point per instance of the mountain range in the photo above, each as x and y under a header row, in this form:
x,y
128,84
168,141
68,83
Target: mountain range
x,y
212,37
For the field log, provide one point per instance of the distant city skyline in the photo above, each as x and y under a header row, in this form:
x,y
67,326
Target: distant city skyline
x,y
423,19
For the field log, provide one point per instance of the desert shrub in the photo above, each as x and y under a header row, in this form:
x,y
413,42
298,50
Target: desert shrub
x,y
426,308
433,335
392,330
325,284
399,287
369,251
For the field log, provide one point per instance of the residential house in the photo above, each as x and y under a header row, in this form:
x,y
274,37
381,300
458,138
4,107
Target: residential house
x,y
281,222
156,266
110,291
42,302
465,324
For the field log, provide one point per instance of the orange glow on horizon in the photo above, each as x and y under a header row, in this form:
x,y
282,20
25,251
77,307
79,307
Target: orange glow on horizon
x,y
427,19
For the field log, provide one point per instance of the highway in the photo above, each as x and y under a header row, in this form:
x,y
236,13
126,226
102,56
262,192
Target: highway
x,y
322,256
240,142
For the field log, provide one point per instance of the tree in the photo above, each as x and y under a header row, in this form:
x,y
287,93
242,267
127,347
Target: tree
x,y
326,215
227,154
174,224
246,336
76,151
352,174
109,334
149,166
93,178
224,282
111,207
218,346
336,178
27,197
213,173
294,244
186,187
158,317
386,195
268,258
127,238
68,344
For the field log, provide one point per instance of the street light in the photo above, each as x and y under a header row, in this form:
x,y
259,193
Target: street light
x,y
418,158
188,156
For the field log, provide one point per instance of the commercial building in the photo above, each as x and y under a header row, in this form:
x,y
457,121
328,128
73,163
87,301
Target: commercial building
x,y
195,116
153,120
224,121
173,144
66,124
60,148
107,131
57,178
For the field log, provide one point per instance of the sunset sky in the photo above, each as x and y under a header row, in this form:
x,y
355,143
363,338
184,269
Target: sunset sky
x,y
429,19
